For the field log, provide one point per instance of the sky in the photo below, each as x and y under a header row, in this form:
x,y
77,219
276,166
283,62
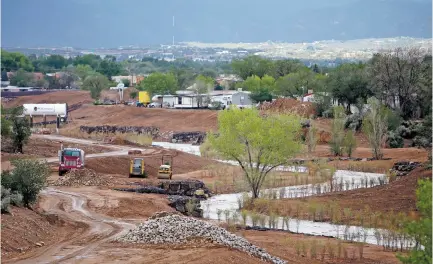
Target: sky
x,y
113,23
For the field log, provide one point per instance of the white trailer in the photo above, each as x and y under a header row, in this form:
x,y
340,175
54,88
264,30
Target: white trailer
x,y
58,110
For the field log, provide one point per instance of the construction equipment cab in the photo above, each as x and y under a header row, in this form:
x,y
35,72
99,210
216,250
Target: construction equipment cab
x,y
70,158
136,168
165,170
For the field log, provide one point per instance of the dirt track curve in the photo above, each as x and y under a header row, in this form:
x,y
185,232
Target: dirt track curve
x,y
72,206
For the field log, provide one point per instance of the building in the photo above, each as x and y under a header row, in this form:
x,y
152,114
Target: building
x,y
238,98
133,80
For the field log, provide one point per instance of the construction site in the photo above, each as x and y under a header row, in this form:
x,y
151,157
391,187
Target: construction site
x,y
130,185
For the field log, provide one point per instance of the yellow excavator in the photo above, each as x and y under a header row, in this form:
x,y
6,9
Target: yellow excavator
x,y
136,168
165,170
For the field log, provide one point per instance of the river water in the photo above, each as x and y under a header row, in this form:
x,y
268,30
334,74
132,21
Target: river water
x,y
218,206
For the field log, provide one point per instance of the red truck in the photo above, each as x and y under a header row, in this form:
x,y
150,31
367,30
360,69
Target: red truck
x,y
70,158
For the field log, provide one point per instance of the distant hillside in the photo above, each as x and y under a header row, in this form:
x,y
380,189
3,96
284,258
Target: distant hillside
x,y
101,23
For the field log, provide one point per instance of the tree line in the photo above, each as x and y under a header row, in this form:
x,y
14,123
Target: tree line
x,y
399,78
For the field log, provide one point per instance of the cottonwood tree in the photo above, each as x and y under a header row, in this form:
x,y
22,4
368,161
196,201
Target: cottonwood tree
x,y
258,144
375,126
401,77
159,83
95,84
337,131
18,129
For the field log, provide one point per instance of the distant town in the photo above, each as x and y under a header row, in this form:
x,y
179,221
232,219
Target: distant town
x,y
324,53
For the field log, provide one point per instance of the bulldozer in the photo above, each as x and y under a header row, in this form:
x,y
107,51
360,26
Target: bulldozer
x,y
136,168
165,170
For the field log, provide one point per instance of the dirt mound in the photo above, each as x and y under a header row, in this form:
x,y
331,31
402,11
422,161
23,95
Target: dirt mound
x,y
167,120
25,230
288,105
81,177
55,97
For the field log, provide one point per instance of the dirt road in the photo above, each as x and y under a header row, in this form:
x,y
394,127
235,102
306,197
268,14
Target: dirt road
x,y
72,206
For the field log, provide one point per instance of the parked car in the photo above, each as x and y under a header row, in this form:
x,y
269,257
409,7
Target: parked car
x,y
155,105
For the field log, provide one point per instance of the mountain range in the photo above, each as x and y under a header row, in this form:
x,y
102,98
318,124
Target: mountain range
x,y
113,23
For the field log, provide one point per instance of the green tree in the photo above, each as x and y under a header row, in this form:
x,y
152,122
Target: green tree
x,y
82,71
205,79
4,76
88,59
252,65
95,84
251,83
133,94
126,82
298,83
259,144
56,62
159,83
421,229
12,61
261,95
375,126
209,73
349,83
28,178
5,127
21,78
109,68
284,67
20,129
337,131
184,77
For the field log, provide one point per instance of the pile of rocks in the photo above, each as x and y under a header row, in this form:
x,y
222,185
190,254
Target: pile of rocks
x,y
188,137
402,168
176,229
184,187
186,205
153,131
81,177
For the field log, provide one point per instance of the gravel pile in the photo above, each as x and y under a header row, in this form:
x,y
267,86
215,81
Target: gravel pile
x,y
81,177
176,229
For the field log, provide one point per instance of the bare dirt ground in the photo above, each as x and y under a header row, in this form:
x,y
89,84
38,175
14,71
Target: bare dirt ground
x,y
99,210
69,97
39,147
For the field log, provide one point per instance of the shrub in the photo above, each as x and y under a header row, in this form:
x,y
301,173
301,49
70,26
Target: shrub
x,y
5,200
394,120
337,131
349,143
353,122
395,140
328,113
27,178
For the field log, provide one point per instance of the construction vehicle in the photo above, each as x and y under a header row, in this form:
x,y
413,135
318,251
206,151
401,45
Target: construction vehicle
x,y
165,170
136,168
143,99
70,158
